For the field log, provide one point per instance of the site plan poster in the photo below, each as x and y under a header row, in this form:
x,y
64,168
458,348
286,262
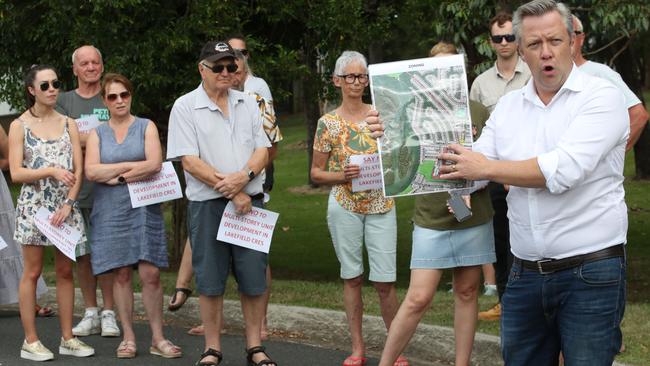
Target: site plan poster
x,y
424,106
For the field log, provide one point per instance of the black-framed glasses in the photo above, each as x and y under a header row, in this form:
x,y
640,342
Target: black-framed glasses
x,y
351,78
242,50
508,37
113,97
217,69
44,85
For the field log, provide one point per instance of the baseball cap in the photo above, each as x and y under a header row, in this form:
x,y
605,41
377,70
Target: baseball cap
x,y
215,51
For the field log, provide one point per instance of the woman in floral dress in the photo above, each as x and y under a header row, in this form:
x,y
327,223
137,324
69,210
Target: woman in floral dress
x,y
45,156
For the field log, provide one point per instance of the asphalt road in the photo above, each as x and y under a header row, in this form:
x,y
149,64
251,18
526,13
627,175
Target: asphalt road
x,y
283,352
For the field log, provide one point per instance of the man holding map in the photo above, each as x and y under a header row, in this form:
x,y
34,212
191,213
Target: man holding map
x,y
217,134
568,218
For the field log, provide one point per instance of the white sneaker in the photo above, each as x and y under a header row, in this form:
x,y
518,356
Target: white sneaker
x,y
109,325
75,347
35,351
490,290
89,325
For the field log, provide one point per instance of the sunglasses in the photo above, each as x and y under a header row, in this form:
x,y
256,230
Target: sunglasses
x,y
351,78
46,85
123,95
508,37
577,33
217,69
243,51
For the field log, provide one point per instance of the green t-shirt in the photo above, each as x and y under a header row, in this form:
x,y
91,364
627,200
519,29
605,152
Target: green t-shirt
x,y
73,105
431,209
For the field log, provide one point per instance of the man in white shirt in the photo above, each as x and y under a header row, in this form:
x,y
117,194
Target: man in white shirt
x,y
636,110
559,143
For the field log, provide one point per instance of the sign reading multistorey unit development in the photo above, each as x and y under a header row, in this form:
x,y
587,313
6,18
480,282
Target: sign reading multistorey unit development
x,y
424,106
64,237
253,230
87,123
161,187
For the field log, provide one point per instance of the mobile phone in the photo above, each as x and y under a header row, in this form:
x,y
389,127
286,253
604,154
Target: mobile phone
x,y
461,211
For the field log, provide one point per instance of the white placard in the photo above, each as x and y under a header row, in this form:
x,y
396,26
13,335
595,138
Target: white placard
x,y
3,243
64,237
370,176
253,230
87,123
161,187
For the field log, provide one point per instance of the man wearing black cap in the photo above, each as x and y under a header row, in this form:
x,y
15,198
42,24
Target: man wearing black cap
x,y
217,134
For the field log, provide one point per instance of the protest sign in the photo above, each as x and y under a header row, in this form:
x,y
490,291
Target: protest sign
x,y
161,187
253,230
64,237
370,176
87,123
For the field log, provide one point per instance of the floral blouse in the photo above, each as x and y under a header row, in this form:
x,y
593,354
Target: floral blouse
x,y
341,139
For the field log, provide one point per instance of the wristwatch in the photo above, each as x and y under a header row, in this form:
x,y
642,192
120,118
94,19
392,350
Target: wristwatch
x,y
121,180
251,175
69,201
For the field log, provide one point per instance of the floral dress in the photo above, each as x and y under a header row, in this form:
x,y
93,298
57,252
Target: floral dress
x,y
48,192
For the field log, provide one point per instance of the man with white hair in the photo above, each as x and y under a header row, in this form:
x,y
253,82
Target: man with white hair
x,y
637,112
86,101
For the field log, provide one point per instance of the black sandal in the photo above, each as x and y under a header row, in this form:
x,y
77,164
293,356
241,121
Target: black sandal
x,y
258,349
173,306
210,352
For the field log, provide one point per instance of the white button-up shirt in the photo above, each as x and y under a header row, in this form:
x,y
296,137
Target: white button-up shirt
x,y
579,140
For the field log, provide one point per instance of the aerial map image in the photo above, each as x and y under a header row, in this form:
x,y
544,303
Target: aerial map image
x,y
423,104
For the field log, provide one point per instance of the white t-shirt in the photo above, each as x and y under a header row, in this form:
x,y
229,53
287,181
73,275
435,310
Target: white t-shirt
x,y
259,87
605,72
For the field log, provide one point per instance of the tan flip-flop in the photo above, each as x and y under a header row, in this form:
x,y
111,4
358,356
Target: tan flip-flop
x,y
126,349
166,349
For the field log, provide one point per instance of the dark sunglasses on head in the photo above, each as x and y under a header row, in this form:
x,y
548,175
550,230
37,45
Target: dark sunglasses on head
x,y
217,69
123,95
46,85
508,37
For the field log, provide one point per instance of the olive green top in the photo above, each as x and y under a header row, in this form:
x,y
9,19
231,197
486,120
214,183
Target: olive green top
x,y
431,209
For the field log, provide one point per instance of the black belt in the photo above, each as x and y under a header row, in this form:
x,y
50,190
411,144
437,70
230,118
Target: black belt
x,y
546,266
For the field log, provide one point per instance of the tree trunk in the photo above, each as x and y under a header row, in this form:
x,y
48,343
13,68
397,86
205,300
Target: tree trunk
x,y
629,66
311,110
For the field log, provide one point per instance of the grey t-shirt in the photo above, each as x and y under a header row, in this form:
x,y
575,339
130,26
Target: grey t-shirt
x,y
75,106
259,87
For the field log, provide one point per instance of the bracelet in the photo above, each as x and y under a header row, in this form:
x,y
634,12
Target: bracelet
x,y
70,202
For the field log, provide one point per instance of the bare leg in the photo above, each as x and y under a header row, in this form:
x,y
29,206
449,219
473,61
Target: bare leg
x,y
32,267
466,283
64,292
185,272
87,282
354,311
252,307
211,308
152,299
123,292
264,329
422,288
106,285
489,275
387,301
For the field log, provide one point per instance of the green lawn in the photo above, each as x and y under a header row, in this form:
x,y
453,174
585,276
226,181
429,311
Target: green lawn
x,y
306,270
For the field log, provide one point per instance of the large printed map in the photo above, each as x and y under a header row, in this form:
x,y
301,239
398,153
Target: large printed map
x,y
424,106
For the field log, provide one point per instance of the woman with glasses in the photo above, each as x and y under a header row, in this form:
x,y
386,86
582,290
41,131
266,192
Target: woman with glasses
x,y
123,150
356,217
45,156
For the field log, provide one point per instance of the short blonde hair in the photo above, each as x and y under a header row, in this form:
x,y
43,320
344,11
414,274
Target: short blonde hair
x,y
443,47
